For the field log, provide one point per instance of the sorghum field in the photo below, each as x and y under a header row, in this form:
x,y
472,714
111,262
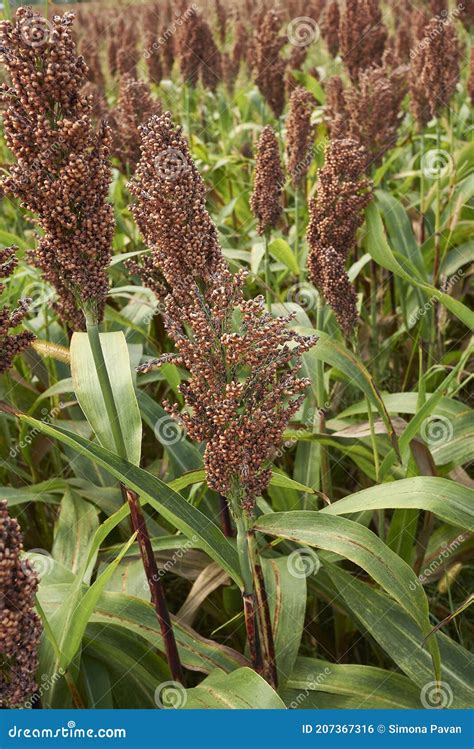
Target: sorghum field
x,y
236,423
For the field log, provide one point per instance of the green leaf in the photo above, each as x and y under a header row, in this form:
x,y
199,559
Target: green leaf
x,y
7,239
241,690
77,523
355,542
287,597
134,668
372,688
380,250
67,626
137,617
89,394
449,500
282,252
336,355
283,481
172,506
400,230
397,634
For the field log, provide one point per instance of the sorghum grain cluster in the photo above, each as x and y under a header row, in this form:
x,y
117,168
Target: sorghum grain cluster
x,y
19,625
299,134
243,385
362,35
265,200
11,344
62,172
336,212
269,66
135,105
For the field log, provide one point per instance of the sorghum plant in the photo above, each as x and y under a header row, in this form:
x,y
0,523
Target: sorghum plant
x,y
440,64
269,66
362,35
330,26
62,172
265,200
369,111
336,212
11,345
135,106
20,627
299,135
243,385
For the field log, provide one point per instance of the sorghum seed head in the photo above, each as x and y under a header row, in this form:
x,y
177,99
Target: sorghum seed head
x,y
299,135
336,212
62,172
11,344
19,625
265,200
242,362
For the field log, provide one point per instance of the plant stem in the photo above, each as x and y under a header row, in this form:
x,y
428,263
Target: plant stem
x,y
248,596
226,521
154,582
297,224
326,484
263,612
268,288
373,439
422,193
136,515
437,214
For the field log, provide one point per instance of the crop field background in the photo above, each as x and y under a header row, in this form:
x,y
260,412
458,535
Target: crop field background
x,y
236,419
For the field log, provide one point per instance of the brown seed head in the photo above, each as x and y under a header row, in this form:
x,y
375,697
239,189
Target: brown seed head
x,y
19,625
299,135
441,56
268,66
135,106
265,200
11,344
336,212
329,25
362,35
62,172
243,385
